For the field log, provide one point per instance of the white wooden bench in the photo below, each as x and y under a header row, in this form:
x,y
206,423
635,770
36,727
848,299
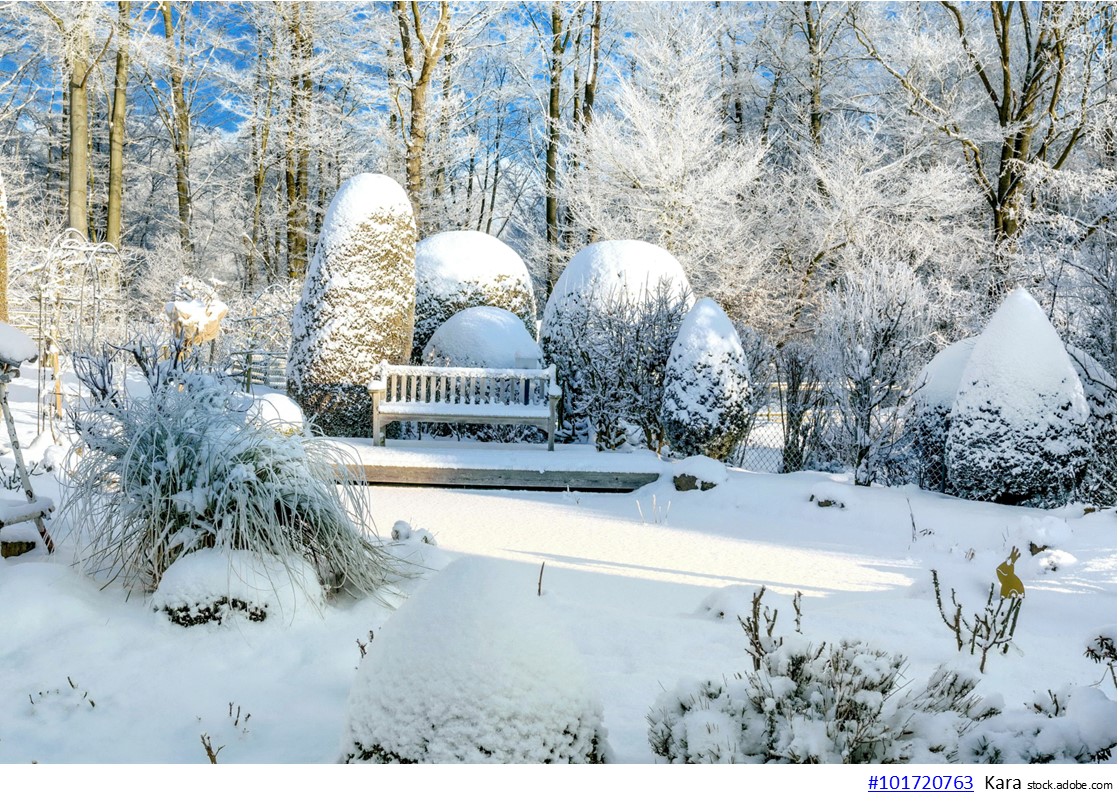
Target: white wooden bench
x,y
459,394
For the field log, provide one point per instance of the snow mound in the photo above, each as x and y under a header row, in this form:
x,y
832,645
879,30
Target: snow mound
x,y
487,337
702,468
216,586
473,669
277,410
460,270
827,494
15,346
629,269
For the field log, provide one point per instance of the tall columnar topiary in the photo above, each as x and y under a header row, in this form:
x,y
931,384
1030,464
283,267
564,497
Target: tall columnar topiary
x,y
706,385
933,397
357,305
460,270
1018,432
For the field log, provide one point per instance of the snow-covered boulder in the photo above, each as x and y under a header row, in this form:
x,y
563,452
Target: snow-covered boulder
x,y
357,304
217,586
487,337
933,397
474,669
460,270
1018,430
706,385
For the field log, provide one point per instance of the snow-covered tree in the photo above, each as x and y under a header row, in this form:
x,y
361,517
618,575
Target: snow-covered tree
x,y
357,305
474,669
873,327
706,385
1099,481
934,394
460,270
1018,432
608,327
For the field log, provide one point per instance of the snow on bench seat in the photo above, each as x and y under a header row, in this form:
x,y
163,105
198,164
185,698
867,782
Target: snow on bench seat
x,y
464,394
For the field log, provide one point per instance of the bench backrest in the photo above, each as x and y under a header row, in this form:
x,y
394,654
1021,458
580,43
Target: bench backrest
x,y
465,386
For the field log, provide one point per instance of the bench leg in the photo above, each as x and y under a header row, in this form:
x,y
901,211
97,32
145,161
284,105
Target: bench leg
x,y
378,436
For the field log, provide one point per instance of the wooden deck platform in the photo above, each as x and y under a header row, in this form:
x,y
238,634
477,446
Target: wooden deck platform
x,y
526,467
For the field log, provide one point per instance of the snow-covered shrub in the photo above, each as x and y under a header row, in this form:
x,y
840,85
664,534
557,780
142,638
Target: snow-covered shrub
x,y
474,669
357,304
1073,725
460,270
179,465
1018,432
872,328
827,703
1099,483
761,363
927,418
608,327
801,396
214,586
706,385
487,337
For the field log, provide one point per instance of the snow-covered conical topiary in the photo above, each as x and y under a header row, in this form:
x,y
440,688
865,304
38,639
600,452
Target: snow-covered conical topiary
x,y
1018,430
930,405
488,337
474,668
460,270
706,384
357,305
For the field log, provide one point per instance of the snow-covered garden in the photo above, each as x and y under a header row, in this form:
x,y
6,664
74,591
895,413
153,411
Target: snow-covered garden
x,y
742,450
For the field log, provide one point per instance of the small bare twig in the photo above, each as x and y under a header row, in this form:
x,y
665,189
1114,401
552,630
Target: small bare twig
x,y
211,753
540,581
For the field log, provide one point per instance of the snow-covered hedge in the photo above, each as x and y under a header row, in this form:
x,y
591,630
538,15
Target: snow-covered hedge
x,y
357,305
608,327
460,270
487,337
181,465
838,703
706,385
474,669
1018,431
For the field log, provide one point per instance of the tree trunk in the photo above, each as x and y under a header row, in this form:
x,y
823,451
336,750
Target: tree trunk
x,y
179,129
113,223
3,252
77,197
551,156
298,156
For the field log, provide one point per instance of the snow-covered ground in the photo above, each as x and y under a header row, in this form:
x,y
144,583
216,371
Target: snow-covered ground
x,y
646,585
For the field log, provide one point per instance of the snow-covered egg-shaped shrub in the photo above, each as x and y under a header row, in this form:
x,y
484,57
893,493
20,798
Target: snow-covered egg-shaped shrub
x,y
474,669
357,304
460,270
706,385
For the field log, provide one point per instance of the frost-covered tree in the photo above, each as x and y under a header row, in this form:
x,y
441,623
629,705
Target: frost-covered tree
x,y
1099,481
873,327
460,270
934,394
706,385
357,305
608,327
1018,432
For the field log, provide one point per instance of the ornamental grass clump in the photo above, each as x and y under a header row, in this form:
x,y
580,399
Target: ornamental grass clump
x,y
180,465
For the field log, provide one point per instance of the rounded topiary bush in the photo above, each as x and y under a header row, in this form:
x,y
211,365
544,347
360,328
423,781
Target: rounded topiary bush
x,y
460,270
357,304
473,669
1018,431
706,385
485,337
931,403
